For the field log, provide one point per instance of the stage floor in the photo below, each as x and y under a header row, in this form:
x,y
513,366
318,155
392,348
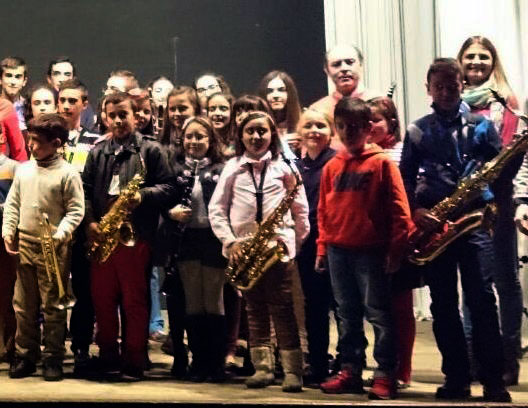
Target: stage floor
x,y
159,389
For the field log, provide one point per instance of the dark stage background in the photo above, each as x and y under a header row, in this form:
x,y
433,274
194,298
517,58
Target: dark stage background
x,y
241,39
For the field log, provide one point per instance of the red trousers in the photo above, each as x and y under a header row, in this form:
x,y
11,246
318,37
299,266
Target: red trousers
x,y
402,307
122,281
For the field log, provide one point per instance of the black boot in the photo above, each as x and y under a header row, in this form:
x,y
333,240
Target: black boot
x,y
196,328
217,347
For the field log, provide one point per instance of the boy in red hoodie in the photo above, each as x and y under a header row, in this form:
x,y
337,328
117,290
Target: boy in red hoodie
x,y
364,221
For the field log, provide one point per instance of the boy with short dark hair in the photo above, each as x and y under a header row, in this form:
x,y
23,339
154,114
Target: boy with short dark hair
x,y
14,79
73,100
439,149
121,280
52,186
364,222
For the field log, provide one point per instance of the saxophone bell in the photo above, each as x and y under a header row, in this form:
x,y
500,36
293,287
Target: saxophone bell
x,y
127,236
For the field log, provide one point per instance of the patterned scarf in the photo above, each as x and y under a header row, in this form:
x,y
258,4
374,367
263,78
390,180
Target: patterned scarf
x,y
479,97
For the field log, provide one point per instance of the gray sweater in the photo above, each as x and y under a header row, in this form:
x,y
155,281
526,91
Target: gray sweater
x,y
52,186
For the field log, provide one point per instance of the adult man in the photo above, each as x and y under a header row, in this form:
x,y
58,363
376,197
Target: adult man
x,y
344,66
60,70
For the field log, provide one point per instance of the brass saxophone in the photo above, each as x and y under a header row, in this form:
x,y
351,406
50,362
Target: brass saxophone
x,y
428,244
261,252
66,298
114,225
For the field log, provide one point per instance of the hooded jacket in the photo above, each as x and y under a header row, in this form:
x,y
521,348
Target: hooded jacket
x,y
362,203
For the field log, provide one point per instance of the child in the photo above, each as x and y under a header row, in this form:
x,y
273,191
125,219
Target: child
x,y
41,100
364,221
385,132
235,211
200,261
207,84
122,279
14,145
14,79
182,103
121,80
315,130
73,100
144,116
279,90
440,147
219,109
49,185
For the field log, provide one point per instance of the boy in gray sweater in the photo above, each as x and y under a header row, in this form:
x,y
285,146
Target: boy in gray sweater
x,y
48,185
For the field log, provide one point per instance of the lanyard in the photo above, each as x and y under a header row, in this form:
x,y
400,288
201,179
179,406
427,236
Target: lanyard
x,y
259,193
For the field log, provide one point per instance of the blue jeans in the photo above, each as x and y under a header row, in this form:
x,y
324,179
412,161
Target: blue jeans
x,y
361,289
473,255
156,320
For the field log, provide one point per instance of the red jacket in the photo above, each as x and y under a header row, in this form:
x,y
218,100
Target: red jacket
x,y
363,204
14,145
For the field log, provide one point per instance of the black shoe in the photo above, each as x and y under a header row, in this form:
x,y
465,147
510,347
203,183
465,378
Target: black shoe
x,y
21,368
81,363
132,374
511,374
52,371
179,371
496,394
453,392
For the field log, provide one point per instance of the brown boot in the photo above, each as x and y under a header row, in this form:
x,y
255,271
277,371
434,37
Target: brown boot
x,y
262,359
292,363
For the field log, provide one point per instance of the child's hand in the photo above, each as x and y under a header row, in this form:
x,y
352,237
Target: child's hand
x,y
521,218
320,264
235,252
424,220
180,213
134,201
60,237
93,232
10,246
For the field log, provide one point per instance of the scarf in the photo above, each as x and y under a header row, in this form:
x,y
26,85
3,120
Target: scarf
x,y
479,97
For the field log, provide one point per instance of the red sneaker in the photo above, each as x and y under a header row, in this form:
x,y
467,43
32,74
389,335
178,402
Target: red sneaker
x,y
345,382
383,388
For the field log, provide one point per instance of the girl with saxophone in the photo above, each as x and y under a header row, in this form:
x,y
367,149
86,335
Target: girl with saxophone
x,y
252,186
199,253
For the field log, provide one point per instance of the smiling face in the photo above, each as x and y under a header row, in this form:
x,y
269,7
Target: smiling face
x,y
477,63
219,111
314,130
180,109
344,68
195,141
13,80
380,127
256,137
206,85
42,101
144,114
276,94
120,119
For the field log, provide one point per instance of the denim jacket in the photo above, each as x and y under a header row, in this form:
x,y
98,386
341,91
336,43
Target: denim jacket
x,y
439,149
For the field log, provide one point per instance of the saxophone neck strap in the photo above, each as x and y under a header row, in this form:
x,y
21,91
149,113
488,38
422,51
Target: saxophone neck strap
x,y
259,193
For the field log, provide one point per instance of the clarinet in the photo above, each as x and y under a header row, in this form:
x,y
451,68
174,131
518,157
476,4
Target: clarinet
x,y
179,229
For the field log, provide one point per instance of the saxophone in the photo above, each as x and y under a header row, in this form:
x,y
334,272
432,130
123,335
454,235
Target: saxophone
x,y
428,244
66,299
114,225
261,252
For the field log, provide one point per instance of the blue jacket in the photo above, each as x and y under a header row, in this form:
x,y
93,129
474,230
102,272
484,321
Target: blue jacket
x,y
439,149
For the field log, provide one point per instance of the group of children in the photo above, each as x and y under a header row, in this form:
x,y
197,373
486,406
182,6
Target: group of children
x,y
213,169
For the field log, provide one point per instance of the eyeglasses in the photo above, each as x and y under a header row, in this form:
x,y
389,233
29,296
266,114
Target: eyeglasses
x,y
211,87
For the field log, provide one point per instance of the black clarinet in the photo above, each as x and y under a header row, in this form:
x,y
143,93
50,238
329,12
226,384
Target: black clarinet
x,y
178,231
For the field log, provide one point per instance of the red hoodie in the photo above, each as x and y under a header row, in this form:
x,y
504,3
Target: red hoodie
x,y
363,204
